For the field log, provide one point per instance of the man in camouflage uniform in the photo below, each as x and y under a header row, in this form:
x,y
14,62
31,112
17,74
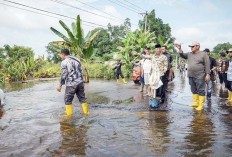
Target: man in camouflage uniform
x,y
72,77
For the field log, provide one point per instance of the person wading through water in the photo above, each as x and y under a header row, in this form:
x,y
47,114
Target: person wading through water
x,y
198,73
213,66
229,75
72,77
119,71
159,66
166,75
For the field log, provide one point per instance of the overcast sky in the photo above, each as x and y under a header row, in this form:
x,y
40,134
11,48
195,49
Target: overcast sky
x,y
206,21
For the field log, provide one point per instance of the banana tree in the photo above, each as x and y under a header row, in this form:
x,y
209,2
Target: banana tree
x,y
135,41
76,41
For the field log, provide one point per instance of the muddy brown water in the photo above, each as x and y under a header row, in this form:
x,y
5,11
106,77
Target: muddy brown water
x,y
120,123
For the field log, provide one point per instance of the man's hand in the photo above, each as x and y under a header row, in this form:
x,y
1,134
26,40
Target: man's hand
x,y
142,75
178,46
207,78
59,88
135,53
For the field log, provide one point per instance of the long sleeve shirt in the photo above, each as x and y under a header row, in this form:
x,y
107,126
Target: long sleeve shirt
x,y
198,64
161,60
71,71
118,67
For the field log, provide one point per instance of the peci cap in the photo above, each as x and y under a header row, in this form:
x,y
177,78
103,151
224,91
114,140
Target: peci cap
x,y
206,50
147,47
157,46
195,43
230,50
222,54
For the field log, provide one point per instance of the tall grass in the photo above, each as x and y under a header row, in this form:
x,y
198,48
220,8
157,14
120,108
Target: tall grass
x,y
99,70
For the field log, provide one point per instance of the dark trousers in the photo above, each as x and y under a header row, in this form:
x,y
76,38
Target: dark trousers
x,y
70,91
161,91
120,75
229,85
197,86
222,77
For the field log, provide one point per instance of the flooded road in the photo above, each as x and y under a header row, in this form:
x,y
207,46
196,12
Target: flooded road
x,y
120,123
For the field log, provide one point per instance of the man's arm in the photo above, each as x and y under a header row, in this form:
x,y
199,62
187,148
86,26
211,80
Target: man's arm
x,y
64,74
214,65
146,56
171,59
182,55
165,62
207,68
114,68
142,55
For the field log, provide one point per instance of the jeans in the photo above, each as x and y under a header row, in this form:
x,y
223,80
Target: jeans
x,y
209,88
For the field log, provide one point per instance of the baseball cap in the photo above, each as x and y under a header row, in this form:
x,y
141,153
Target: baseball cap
x,y
147,47
230,50
195,43
206,50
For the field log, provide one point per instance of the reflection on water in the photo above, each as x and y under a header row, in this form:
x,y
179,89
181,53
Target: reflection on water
x,y
156,133
200,138
120,122
74,139
1,113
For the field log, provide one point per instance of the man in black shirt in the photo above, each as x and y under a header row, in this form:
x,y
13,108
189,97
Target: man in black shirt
x,y
213,66
166,75
119,72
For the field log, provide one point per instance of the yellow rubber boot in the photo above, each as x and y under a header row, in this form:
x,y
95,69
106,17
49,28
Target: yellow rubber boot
x,y
124,81
117,81
69,109
195,100
230,96
201,103
85,108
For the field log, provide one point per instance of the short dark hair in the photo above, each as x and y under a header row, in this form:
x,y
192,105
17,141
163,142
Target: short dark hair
x,y
157,46
165,47
65,51
222,54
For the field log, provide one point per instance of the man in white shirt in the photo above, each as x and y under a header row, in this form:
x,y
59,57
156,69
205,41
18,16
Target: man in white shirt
x,y
146,73
229,75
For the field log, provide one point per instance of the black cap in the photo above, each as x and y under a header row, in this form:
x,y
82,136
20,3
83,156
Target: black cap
x,y
157,46
206,50
222,54
147,47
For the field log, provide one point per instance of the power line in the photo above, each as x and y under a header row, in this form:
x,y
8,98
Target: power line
x,y
51,12
123,6
134,5
99,10
40,13
66,4
129,6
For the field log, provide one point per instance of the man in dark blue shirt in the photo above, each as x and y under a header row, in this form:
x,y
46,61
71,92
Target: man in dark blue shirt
x,y
213,66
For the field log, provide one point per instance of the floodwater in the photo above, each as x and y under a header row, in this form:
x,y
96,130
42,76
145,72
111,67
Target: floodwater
x,y
120,123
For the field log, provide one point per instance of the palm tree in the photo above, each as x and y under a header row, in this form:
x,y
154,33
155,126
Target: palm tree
x,y
80,45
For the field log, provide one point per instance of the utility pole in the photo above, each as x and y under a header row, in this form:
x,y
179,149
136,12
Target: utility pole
x,y
146,14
